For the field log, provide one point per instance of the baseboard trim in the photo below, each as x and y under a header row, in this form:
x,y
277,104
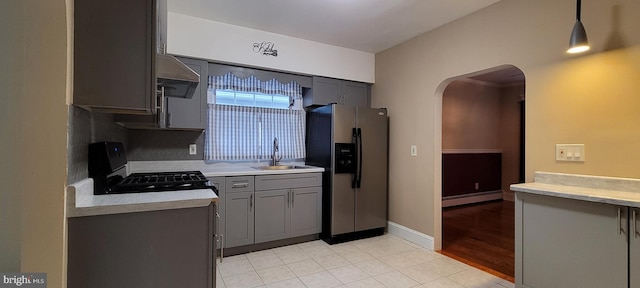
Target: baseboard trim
x,y
473,198
419,238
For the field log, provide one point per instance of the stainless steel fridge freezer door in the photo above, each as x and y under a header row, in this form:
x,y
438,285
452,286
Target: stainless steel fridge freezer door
x,y
342,195
371,197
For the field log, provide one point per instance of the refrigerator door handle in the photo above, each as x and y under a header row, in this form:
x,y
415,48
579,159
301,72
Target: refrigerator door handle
x,y
359,158
354,179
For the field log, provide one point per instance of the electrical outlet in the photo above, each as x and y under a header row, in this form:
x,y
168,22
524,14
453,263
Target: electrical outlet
x,y
192,149
414,150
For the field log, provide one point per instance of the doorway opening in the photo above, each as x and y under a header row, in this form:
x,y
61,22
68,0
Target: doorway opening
x,y
482,155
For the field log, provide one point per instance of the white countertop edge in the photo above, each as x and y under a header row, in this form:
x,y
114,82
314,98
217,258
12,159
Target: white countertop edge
x,y
82,202
256,172
614,197
218,169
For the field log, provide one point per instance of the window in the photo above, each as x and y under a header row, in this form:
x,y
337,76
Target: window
x,y
246,114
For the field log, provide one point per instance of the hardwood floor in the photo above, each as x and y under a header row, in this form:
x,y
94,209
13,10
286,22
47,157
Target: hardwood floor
x,y
481,235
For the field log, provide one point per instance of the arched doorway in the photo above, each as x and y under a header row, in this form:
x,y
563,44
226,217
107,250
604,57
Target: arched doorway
x,y
482,145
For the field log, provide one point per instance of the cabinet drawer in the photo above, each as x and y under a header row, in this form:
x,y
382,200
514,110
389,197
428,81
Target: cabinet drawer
x,y
239,184
285,181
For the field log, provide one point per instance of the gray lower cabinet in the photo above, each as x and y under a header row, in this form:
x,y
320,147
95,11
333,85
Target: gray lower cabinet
x,y
239,211
306,211
288,205
327,90
634,248
273,215
155,249
572,243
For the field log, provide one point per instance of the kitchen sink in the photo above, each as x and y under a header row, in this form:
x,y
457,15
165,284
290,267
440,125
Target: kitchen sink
x,y
281,167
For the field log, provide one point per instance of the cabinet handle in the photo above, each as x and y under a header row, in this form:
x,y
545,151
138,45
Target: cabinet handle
x,y
288,203
250,201
240,185
219,236
293,198
635,224
221,247
620,230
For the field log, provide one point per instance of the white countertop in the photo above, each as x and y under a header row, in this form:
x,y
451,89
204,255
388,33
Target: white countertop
x,y
609,190
218,169
82,202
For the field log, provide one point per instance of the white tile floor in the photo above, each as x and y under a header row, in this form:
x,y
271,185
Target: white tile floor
x,y
380,262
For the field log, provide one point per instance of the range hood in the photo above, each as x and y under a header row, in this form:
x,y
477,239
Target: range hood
x,y
177,78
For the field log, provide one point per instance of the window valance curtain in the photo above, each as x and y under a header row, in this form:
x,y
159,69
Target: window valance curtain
x,y
262,75
246,133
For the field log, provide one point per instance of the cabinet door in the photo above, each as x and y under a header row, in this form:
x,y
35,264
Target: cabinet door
x,y
190,113
634,248
570,243
239,220
114,55
324,91
306,211
219,183
355,94
155,249
273,215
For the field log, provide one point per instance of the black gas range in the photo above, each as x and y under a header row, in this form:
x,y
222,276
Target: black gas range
x,y
107,162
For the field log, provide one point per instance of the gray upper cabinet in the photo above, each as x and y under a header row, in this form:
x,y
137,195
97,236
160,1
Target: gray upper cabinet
x,y
327,90
324,91
181,113
190,113
114,55
355,94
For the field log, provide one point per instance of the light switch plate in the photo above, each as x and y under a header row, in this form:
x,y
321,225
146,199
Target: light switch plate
x,y
570,152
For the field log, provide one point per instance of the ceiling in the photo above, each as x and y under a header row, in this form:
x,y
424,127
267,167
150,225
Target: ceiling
x,y
365,25
503,77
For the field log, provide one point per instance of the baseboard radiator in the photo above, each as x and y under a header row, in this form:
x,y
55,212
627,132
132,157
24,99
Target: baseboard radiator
x,y
471,198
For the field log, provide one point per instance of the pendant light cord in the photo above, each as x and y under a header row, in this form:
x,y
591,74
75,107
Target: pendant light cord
x,y
578,6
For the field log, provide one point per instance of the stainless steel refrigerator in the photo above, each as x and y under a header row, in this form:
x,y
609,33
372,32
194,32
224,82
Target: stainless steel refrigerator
x,y
351,143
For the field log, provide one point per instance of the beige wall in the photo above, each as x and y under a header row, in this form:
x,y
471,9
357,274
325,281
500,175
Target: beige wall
x,y
34,130
470,116
11,79
586,99
510,100
484,116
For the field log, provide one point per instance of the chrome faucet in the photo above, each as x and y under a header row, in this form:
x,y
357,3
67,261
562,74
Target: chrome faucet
x,y
274,160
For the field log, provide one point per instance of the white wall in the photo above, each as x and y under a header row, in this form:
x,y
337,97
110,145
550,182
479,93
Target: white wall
x,y
220,42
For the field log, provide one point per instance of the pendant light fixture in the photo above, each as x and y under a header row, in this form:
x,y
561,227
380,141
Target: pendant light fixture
x,y
578,41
